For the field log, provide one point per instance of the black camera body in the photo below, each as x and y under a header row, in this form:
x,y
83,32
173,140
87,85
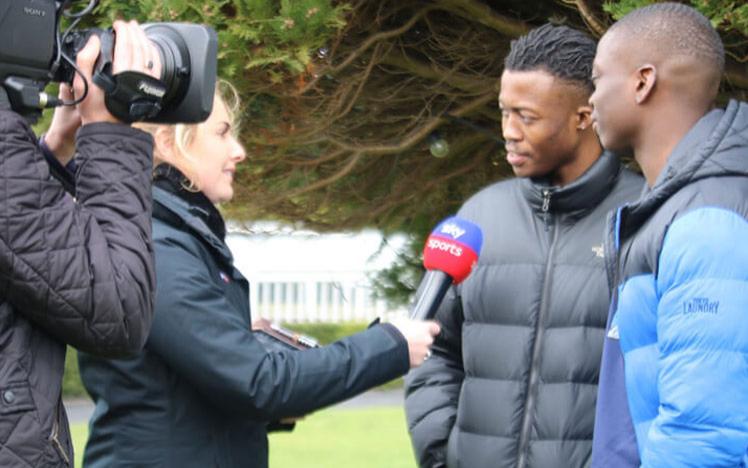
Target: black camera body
x,y
32,54
27,50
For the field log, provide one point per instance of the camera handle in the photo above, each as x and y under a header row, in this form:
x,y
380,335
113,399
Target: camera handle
x,y
130,96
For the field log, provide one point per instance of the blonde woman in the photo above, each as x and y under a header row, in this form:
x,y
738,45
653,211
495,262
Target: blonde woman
x,y
204,390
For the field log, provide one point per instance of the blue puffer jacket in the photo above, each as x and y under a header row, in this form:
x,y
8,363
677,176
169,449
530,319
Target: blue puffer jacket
x,y
674,377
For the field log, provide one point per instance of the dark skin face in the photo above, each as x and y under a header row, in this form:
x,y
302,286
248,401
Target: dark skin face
x,y
546,124
646,99
615,113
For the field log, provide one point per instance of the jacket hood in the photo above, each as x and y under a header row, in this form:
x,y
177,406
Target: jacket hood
x,y
580,196
716,146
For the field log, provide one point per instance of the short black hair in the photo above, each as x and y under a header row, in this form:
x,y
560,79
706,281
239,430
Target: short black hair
x,y
559,50
677,29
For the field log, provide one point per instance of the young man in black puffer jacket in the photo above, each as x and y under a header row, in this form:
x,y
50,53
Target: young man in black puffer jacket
x,y
75,270
513,377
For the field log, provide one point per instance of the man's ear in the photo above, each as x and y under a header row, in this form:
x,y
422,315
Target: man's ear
x,y
163,141
646,79
584,117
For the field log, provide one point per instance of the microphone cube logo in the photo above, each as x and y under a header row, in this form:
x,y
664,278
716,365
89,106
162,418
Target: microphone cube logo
x,y
444,246
452,229
461,232
453,248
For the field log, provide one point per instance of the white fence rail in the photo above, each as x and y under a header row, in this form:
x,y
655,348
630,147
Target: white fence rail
x,y
321,278
314,301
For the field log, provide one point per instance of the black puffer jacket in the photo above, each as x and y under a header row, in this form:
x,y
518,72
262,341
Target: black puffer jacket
x,y
77,271
204,389
513,378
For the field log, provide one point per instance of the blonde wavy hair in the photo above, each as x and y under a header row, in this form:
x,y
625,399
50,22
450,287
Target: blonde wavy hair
x,y
182,135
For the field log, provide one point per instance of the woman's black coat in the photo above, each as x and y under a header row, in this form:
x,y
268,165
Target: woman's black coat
x,y
204,390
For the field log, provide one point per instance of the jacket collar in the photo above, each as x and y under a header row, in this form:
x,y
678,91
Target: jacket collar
x,y
580,196
170,179
714,147
173,210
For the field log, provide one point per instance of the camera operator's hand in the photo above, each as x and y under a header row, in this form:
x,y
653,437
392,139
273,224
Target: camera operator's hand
x,y
132,51
60,138
420,336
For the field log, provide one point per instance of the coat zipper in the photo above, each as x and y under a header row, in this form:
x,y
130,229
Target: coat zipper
x,y
611,250
546,206
524,435
54,437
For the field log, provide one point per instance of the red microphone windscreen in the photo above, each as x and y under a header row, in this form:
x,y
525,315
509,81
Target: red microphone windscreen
x,y
453,247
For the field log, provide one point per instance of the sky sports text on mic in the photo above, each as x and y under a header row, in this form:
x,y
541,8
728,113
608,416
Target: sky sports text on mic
x,y
449,255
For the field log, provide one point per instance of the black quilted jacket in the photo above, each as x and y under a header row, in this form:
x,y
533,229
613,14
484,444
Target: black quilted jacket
x,y
75,270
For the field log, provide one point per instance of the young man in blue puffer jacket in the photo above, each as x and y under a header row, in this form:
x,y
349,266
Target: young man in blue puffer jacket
x,y
674,377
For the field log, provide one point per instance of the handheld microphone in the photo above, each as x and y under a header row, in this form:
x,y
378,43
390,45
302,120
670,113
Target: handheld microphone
x,y
449,255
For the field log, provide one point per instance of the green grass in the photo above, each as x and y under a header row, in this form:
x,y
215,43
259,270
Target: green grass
x,y
361,438
79,433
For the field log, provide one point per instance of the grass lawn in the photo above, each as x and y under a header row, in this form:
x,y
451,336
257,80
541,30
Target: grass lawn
x,y
346,438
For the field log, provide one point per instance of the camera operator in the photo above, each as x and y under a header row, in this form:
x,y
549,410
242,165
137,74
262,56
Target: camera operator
x,y
76,269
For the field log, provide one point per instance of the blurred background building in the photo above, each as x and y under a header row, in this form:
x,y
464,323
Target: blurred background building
x,y
302,276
